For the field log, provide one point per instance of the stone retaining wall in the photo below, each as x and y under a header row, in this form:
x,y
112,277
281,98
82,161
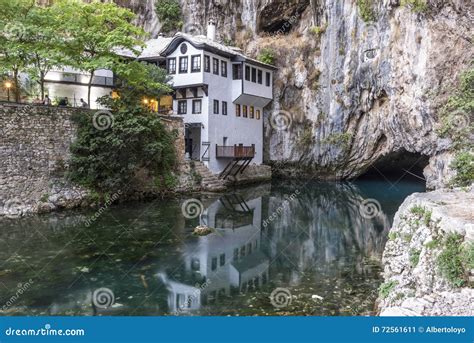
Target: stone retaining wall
x,y
34,155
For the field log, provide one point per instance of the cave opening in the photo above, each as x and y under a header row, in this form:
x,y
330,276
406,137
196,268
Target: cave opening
x,y
278,27
397,165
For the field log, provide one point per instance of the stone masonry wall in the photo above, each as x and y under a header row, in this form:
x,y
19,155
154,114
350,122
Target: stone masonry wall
x,y
34,153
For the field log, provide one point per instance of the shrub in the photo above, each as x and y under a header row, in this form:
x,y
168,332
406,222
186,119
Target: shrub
x,y
342,140
463,165
107,160
417,6
317,31
365,10
386,288
450,261
266,56
414,257
169,14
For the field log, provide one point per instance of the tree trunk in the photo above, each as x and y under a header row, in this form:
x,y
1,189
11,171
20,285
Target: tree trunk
x,y
16,85
89,87
42,85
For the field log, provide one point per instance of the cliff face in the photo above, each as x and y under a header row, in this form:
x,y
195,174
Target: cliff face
x,y
349,93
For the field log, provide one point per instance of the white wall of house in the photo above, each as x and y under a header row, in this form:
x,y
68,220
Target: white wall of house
x,y
219,127
72,83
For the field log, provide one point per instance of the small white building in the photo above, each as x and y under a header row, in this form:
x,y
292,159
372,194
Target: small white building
x,y
221,94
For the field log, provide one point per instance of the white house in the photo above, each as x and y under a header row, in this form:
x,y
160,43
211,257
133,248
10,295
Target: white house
x,y
219,92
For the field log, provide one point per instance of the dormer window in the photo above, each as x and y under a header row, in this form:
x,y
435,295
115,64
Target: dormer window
x,y
171,65
183,65
196,63
184,48
215,66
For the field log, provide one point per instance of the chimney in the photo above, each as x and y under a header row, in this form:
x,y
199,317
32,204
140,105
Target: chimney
x,y
211,30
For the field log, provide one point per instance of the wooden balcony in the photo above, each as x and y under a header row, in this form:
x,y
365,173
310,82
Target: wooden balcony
x,y
235,151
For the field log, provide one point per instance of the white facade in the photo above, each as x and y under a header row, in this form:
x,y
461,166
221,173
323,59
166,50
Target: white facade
x,y
229,89
72,84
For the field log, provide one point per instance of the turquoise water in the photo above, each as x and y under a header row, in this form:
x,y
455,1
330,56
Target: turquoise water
x,y
286,248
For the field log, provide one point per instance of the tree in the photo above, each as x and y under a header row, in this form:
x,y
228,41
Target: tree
x,y
14,55
94,32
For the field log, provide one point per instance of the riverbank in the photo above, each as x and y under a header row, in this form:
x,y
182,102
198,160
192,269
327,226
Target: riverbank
x,y
428,259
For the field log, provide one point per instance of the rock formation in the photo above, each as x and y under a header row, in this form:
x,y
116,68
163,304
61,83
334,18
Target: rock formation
x,y
359,83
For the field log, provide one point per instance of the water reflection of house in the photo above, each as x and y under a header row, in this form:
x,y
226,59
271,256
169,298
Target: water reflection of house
x,y
220,264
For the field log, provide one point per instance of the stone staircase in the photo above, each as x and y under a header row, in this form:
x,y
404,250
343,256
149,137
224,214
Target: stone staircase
x,y
209,182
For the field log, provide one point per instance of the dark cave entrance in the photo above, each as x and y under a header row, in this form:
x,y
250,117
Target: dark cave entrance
x,y
397,165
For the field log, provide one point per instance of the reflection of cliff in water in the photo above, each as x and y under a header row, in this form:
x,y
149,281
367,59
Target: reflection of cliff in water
x,y
323,224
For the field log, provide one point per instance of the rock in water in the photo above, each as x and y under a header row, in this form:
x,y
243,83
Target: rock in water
x,y
202,230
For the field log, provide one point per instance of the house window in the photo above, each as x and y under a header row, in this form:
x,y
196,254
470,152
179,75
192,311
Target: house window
x,y
236,254
196,63
247,73
237,110
237,71
249,248
257,115
214,263
222,259
224,108
259,76
183,64
242,251
215,66
224,68
244,112
207,64
216,106
195,264
171,65
252,112
254,75
268,77
182,107
197,106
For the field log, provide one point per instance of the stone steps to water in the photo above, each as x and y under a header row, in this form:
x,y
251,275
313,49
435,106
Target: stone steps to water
x,y
209,181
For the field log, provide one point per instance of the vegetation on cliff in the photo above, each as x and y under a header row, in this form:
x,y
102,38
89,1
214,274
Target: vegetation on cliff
x,y
169,14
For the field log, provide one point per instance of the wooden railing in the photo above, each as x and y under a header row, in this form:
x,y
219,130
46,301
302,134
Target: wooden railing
x,y
236,151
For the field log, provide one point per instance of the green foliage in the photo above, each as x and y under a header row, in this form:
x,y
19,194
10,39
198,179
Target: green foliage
x,y
134,140
463,164
456,117
169,14
433,244
317,31
306,138
407,237
386,288
392,235
44,197
266,56
422,213
417,6
366,10
72,33
450,261
414,257
341,140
